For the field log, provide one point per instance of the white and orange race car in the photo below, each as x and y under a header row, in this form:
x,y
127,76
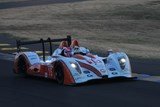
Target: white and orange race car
x,y
69,63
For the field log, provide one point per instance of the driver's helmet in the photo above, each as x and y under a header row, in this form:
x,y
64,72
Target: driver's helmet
x,y
74,43
66,51
63,44
76,49
80,50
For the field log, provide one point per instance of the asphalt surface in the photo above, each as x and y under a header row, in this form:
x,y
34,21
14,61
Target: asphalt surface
x,y
17,91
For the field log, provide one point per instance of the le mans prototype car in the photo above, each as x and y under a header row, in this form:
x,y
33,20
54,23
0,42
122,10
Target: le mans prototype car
x,y
70,64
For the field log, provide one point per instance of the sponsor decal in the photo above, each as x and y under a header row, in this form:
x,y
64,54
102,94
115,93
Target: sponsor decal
x,y
86,72
102,70
76,74
114,73
89,75
112,69
77,78
99,61
32,57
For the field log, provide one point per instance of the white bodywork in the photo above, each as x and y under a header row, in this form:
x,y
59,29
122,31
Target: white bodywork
x,y
105,67
110,69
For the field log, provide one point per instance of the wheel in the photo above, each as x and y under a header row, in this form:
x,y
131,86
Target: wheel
x,y
59,73
22,66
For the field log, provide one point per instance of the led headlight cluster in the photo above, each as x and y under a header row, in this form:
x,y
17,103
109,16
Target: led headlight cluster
x,y
122,62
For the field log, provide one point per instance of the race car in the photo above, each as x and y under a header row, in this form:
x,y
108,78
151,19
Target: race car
x,y
70,63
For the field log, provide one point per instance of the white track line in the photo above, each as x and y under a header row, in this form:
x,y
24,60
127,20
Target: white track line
x,y
8,57
146,77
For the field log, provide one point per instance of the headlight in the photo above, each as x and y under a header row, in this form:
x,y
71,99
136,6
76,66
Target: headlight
x,y
75,66
122,62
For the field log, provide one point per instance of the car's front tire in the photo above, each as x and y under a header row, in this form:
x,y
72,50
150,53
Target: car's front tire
x,y
59,73
22,65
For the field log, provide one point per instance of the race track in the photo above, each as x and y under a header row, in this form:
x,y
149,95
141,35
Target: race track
x,y
17,91
20,91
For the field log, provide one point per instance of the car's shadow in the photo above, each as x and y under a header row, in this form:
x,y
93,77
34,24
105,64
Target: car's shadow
x,y
106,81
88,83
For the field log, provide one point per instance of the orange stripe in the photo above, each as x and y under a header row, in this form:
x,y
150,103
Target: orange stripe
x,y
78,56
68,78
91,68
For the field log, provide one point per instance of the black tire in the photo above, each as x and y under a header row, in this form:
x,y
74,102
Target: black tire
x,y
22,66
59,72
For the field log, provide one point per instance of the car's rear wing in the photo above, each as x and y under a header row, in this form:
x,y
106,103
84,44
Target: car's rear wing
x,y
42,41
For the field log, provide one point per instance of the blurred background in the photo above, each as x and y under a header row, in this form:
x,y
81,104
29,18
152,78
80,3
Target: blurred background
x,y
132,26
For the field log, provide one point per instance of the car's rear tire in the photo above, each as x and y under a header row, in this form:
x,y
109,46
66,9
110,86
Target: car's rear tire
x,y
22,66
59,73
